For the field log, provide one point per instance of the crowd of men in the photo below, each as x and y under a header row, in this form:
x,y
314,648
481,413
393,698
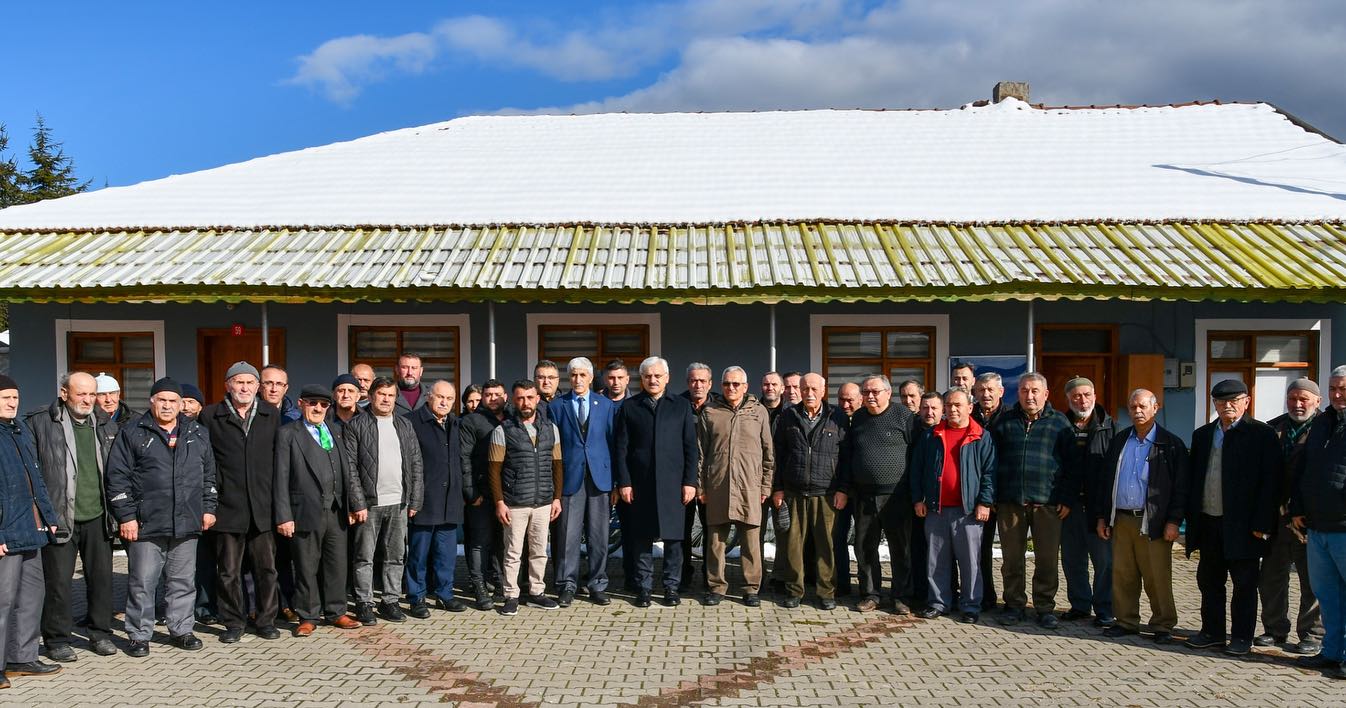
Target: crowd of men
x,y
256,510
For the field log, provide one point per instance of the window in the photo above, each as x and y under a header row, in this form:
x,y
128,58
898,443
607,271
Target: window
x,y
600,343
125,356
379,346
850,353
1267,361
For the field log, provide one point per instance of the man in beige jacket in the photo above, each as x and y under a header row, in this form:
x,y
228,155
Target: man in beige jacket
x,y
737,464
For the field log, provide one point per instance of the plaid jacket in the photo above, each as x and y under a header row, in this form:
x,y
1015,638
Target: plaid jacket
x,y
1030,458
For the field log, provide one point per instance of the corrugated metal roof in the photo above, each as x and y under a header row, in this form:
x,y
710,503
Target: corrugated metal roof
x,y
750,262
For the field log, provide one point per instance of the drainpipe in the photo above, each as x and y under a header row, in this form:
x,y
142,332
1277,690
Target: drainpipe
x,y
490,335
1029,364
266,337
773,337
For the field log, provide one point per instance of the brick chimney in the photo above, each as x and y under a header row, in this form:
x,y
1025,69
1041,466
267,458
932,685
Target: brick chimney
x,y
1010,89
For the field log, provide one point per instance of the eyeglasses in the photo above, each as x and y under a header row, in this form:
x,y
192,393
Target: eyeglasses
x,y
872,392
318,403
1230,401
733,384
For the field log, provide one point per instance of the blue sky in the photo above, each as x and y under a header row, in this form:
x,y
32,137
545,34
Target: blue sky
x,y
143,90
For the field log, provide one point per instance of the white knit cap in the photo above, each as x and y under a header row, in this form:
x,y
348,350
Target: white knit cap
x,y
106,384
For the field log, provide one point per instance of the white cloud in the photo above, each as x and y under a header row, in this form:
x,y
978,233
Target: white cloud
x,y
761,54
341,67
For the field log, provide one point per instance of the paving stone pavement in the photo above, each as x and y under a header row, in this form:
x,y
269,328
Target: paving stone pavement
x,y
689,655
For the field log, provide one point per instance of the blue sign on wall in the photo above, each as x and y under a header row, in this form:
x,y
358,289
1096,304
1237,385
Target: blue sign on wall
x,y
1009,367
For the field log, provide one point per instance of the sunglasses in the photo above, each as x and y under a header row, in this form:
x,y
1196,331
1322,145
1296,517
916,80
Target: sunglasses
x,y
319,403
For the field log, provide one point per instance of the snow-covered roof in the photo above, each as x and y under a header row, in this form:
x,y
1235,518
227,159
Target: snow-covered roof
x,y
999,162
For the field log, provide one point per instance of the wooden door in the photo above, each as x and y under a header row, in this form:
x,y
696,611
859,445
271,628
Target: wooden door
x,y
218,349
1060,368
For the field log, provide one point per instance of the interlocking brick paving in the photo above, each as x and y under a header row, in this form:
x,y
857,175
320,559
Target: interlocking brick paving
x,y
589,655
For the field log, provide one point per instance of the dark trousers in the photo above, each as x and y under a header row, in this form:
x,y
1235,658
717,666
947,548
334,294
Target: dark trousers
x,y
988,597
431,551
691,513
673,553
260,548
89,541
630,545
841,548
482,540
285,565
1080,548
206,598
320,569
586,517
1274,588
887,515
1211,572
920,573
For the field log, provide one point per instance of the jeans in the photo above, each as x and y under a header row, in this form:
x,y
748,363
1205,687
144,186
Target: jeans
x,y
385,530
1327,568
431,547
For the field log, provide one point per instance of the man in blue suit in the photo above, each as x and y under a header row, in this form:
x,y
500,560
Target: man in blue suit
x,y
584,420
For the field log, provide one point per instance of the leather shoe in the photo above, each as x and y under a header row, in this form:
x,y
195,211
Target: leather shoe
x,y
391,612
900,608
1073,615
790,602
827,603
345,622
969,618
104,647
61,652
1048,620
868,604
1239,647
186,642
1267,640
752,600
231,636
32,668
1336,672
598,597
304,629
364,613
1317,661
268,633
566,598
928,613
1201,640
1305,647
419,610
643,598
138,649
1105,621
1118,630
712,599
1163,637
671,598
452,604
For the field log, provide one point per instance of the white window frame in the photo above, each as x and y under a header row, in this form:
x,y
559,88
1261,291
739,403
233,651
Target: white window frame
x,y
939,322
1205,326
462,322
65,326
535,320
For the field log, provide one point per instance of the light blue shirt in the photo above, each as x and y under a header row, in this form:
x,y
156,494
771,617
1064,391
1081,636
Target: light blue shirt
x,y
1133,477
579,403
316,432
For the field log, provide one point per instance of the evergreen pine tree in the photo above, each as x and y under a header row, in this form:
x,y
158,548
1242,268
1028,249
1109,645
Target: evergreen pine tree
x,y
10,192
52,173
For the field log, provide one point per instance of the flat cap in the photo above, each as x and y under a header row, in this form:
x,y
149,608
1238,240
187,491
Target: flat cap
x,y
1229,388
315,392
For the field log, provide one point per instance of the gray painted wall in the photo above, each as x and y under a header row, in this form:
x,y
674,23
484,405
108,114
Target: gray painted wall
x,y
721,335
